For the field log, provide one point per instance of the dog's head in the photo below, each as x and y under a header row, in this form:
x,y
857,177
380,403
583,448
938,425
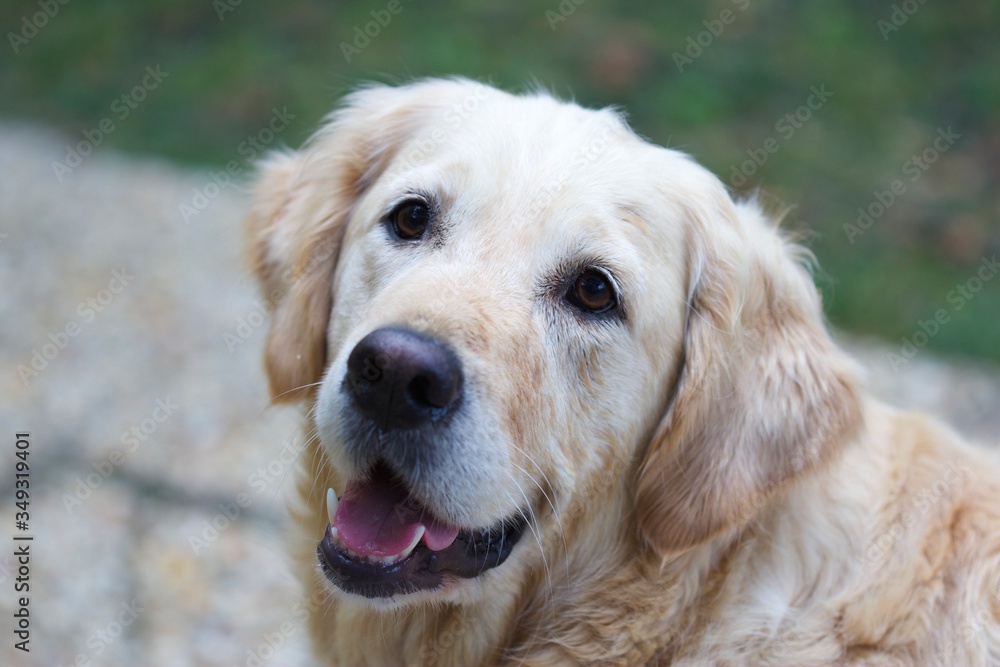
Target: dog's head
x,y
505,308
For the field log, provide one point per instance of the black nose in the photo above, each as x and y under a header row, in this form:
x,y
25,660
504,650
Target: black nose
x,y
402,379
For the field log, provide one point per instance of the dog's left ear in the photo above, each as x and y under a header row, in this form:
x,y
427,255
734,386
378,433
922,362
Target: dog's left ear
x,y
763,396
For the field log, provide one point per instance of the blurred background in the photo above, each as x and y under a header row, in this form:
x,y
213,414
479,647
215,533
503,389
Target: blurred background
x,y
128,130
891,88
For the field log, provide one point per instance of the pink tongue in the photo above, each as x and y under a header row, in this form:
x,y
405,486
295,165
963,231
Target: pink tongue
x,y
374,519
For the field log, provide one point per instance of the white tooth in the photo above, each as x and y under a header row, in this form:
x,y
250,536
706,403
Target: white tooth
x,y
395,558
331,505
419,535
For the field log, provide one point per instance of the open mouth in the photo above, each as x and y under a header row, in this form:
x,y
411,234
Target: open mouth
x,y
381,542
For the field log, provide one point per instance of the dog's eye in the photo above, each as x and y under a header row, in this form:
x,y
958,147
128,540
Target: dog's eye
x,y
410,219
593,292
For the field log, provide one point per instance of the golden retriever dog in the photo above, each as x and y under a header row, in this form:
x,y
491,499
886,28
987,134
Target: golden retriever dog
x,y
569,403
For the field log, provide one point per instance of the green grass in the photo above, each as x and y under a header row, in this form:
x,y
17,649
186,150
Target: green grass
x,y
889,98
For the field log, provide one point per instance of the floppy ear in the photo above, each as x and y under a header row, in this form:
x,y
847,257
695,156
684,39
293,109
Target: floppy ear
x,y
302,202
763,395
295,287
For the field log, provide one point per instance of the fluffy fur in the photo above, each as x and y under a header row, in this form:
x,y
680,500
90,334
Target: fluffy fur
x,y
707,480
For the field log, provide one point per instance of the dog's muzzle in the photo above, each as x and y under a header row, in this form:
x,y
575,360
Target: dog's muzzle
x,y
381,541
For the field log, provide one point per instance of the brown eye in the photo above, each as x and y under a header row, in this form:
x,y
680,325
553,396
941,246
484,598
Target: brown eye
x,y
410,219
592,291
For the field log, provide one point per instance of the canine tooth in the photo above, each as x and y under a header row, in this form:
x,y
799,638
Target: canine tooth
x,y
419,535
331,505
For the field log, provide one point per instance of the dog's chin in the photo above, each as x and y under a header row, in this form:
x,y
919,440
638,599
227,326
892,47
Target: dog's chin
x,y
385,547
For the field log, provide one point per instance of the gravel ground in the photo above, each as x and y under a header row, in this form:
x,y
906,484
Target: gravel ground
x,y
146,427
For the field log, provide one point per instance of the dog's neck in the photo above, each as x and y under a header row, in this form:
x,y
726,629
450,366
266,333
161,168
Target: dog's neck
x,y
445,635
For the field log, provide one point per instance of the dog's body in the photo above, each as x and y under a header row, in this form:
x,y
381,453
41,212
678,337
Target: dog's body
x,y
600,399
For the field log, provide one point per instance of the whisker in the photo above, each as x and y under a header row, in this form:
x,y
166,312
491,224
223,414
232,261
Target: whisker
x,y
531,527
556,515
293,389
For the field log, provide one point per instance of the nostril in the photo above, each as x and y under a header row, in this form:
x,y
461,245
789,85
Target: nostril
x,y
420,391
433,389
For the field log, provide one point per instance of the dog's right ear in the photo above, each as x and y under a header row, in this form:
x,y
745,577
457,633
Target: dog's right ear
x,y
302,202
294,279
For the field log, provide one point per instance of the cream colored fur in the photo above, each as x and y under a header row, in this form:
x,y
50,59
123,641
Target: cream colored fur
x,y
707,480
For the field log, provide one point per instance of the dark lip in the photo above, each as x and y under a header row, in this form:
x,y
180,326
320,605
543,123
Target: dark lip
x,y
472,553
